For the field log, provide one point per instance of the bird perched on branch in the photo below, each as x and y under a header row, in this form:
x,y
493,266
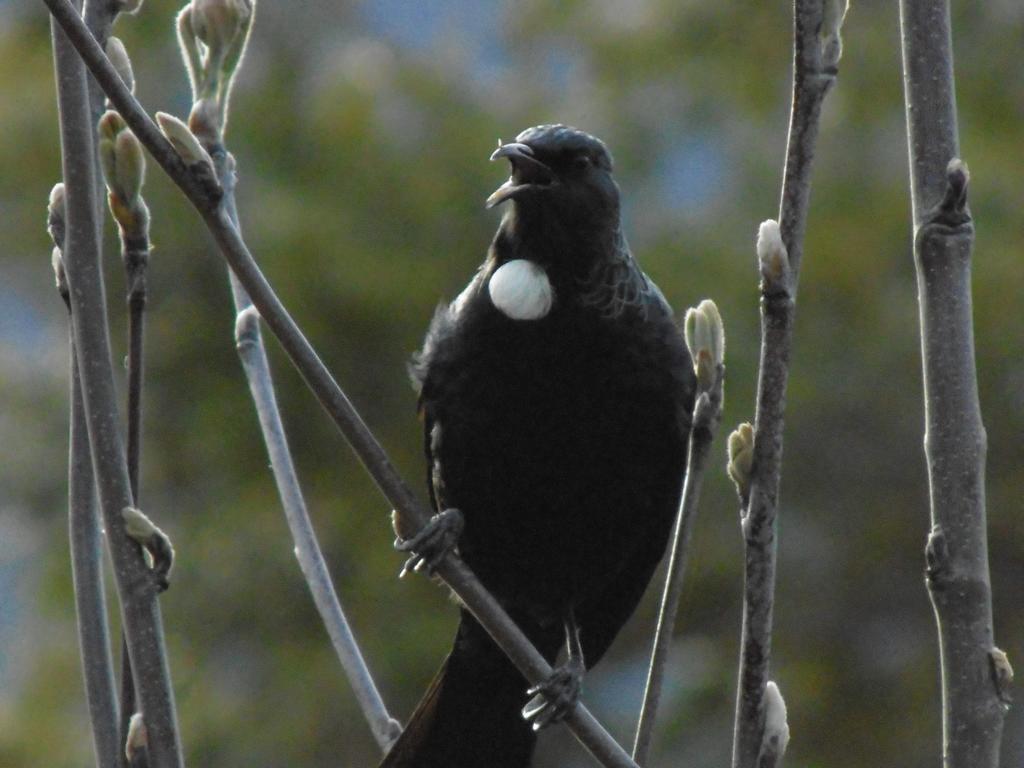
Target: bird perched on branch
x,y
556,394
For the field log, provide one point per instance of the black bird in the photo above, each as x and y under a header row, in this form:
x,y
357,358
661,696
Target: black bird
x,y
556,393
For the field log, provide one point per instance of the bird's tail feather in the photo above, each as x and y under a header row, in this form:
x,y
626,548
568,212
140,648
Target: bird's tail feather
x,y
470,715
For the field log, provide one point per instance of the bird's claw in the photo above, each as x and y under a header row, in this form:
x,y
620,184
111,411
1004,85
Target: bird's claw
x,y
556,697
433,542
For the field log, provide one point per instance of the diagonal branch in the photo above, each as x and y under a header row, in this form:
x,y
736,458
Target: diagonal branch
x,y
141,614
816,54
410,513
975,674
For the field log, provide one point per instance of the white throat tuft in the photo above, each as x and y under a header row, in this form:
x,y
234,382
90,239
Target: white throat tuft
x,y
520,289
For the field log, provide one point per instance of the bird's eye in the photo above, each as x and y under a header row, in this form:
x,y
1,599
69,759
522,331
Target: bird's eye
x,y
581,161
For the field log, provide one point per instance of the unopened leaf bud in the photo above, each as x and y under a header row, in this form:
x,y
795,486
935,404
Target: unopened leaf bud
x,y
59,275
1002,674
56,201
218,22
118,56
776,726
137,738
183,140
958,176
246,325
130,167
705,337
741,457
56,213
204,121
772,256
834,12
137,525
144,532
108,161
111,124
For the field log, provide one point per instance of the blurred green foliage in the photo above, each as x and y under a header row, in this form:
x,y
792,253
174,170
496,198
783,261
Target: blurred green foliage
x,y
362,157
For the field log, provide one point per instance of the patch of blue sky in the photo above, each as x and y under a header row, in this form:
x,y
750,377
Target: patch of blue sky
x,y
22,326
424,27
691,171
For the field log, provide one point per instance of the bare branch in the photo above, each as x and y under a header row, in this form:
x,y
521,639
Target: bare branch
x,y
86,540
975,674
816,52
135,587
410,513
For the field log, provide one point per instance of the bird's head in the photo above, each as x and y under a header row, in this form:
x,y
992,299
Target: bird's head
x,y
561,174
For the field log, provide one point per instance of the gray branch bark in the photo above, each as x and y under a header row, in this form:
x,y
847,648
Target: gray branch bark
x,y
140,611
410,513
90,600
87,553
812,78
975,674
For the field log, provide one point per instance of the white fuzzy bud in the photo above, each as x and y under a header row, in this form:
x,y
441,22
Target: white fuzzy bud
x,y
772,256
56,212
59,276
137,737
246,324
776,727
183,140
56,200
118,56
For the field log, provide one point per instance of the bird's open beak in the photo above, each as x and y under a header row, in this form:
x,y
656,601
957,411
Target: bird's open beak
x,y
527,172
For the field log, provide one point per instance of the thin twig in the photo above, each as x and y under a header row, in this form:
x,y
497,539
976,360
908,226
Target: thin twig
x,y
137,591
136,258
812,79
253,355
975,674
411,514
135,255
706,413
87,552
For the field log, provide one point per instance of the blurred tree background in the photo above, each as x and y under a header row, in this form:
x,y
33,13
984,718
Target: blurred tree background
x,y
362,132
